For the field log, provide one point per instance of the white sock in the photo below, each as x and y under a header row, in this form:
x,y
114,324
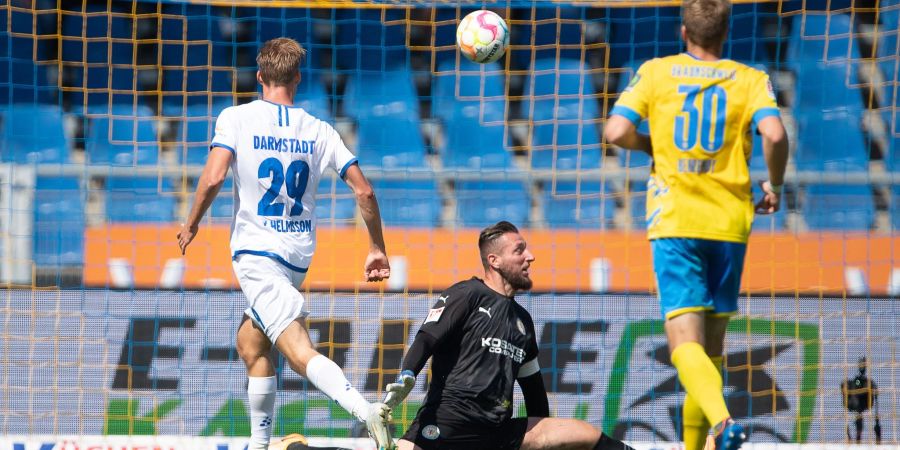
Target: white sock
x,y
324,374
261,392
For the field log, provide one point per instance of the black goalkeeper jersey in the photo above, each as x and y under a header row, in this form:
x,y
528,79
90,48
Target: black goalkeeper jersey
x,y
482,340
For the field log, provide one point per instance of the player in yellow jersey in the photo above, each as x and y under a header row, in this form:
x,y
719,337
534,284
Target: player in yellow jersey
x,y
701,110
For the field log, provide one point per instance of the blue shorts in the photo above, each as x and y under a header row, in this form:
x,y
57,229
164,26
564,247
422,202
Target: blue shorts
x,y
697,275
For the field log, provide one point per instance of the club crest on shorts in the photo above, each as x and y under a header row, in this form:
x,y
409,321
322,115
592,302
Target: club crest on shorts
x,y
520,326
431,432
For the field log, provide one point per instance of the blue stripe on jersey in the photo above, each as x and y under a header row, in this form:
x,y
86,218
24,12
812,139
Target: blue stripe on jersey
x,y
287,116
347,166
762,113
627,113
279,114
274,256
216,144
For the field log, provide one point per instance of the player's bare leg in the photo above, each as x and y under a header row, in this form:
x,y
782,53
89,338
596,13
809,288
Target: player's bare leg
x,y
255,350
294,343
403,444
556,433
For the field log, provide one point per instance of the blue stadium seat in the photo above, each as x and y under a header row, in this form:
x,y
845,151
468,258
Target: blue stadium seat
x,y
335,201
643,33
370,40
564,114
839,207
828,86
139,199
546,33
830,141
746,39
408,203
471,104
386,108
586,204
385,94
58,221
125,138
196,130
821,37
390,143
33,134
485,202
895,207
311,96
23,81
888,49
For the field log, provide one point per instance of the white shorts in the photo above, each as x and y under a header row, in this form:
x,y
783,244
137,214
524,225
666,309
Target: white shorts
x,y
271,291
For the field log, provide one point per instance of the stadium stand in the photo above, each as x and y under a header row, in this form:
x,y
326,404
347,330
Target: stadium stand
x,y
33,133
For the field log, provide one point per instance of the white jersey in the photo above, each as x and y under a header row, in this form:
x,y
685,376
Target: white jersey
x,y
280,153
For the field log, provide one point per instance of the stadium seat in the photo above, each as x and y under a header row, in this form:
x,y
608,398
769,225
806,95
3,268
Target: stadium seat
x,y
831,141
33,133
386,108
828,86
311,96
571,204
195,131
554,32
408,202
139,199
23,81
390,93
334,201
471,103
564,114
888,49
484,202
643,33
390,143
821,37
895,207
839,207
126,137
746,40
58,221
370,40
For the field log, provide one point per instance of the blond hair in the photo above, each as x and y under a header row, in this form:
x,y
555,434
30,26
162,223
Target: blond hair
x,y
279,61
706,21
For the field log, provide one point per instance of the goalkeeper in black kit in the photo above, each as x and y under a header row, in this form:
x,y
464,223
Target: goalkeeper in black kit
x,y
481,342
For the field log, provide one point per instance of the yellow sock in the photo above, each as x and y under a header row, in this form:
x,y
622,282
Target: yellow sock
x,y
696,427
701,380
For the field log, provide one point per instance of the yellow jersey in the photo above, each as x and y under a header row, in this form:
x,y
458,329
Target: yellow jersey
x,y
701,116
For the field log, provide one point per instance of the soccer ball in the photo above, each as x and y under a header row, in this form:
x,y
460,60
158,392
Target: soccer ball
x,y
482,36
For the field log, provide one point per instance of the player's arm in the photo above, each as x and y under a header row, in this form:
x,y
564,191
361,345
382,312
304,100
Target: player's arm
x,y
532,384
767,121
445,319
632,106
208,187
622,132
775,152
377,266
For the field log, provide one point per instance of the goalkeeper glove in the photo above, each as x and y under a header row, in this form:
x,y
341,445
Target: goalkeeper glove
x,y
397,391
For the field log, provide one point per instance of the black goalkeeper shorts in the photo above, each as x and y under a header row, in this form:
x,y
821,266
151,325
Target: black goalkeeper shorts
x,y
431,436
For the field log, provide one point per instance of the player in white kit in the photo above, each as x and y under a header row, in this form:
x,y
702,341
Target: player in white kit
x,y
278,153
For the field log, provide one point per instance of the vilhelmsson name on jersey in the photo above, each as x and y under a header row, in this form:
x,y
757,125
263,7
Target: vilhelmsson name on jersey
x,y
503,347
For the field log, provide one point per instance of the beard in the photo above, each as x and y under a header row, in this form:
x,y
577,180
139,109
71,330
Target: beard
x,y
516,279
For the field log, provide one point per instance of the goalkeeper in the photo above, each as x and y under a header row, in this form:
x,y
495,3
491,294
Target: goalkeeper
x,y
481,342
